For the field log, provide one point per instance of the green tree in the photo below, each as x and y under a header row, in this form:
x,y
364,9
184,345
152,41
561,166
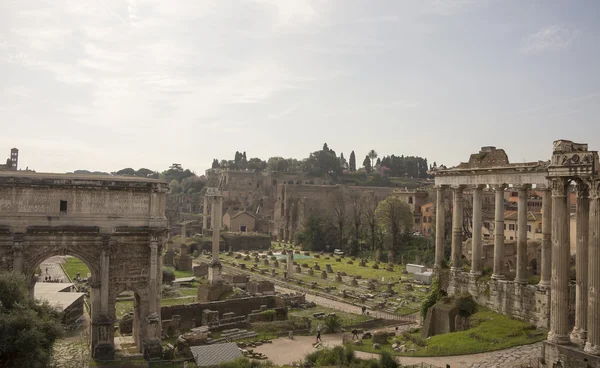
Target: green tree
x,y
367,164
395,218
256,164
343,162
317,233
126,172
28,328
352,162
372,156
174,186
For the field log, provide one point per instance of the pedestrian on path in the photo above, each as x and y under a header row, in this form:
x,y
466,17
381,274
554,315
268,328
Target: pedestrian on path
x,y
355,334
318,335
364,309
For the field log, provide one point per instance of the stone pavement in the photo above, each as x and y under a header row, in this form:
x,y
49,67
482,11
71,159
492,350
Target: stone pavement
x,y
70,354
51,267
284,351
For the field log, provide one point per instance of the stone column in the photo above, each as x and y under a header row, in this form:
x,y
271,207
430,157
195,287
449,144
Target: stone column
x,y
559,302
214,271
104,275
476,250
546,261
205,214
579,333
498,272
152,289
592,345
521,276
18,253
440,217
183,233
457,228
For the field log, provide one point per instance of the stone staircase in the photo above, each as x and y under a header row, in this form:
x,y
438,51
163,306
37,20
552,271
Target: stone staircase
x,y
233,334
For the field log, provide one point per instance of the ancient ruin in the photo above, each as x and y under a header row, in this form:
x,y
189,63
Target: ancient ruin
x,y
115,225
572,345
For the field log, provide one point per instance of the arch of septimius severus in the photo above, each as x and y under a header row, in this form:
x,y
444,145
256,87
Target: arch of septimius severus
x,y
115,225
571,166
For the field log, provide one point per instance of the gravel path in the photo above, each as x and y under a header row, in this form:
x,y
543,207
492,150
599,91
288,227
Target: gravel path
x,y
51,267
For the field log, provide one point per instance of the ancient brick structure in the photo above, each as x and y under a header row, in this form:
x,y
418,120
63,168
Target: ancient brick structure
x,y
115,225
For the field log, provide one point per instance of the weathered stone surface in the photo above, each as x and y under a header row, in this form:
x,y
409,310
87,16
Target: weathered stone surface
x,y
212,292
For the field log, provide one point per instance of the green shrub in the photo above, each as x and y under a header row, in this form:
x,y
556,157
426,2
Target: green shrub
x,y
195,254
168,275
386,360
245,363
465,304
432,297
268,314
333,323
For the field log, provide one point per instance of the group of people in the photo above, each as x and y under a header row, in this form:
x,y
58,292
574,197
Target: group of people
x,y
50,279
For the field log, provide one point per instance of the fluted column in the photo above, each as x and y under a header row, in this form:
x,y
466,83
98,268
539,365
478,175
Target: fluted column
x,y
476,241
440,221
592,345
499,233
205,214
104,275
546,261
579,333
457,228
152,288
17,253
559,302
521,276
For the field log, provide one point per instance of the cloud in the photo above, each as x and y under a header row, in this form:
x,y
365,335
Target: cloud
x,y
550,38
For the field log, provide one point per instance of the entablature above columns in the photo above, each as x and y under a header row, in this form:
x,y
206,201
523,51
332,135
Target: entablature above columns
x,y
535,178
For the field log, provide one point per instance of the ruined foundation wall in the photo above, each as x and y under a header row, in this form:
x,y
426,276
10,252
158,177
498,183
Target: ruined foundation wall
x,y
241,307
524,302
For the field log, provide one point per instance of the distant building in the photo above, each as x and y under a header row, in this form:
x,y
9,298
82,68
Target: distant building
x,y
534,225
427,219
243,221
12,162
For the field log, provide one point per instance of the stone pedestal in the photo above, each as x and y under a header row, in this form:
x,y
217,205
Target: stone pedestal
x,y
214,272
184,263
104,349
170,258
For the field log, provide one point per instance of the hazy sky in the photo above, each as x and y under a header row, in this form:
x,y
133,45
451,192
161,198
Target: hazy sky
x,y
108,84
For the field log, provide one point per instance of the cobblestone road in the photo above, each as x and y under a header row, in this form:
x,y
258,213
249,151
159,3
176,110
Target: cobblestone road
x,y
520,356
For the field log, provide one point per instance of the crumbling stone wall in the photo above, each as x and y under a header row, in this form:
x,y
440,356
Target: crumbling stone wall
x,y
240,307
239,242
524,302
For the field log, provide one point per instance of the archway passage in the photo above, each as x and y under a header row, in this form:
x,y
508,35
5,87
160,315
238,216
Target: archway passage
x,y
116,226
62,282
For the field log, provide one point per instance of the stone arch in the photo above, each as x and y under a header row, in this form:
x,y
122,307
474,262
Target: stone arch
x,y
37,259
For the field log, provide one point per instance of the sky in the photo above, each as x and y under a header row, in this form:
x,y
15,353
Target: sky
x,y
108,84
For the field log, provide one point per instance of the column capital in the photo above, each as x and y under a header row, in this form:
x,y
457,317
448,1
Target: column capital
x,y
499,187
479,187
583,188
559,187
458,188
594,188
442,187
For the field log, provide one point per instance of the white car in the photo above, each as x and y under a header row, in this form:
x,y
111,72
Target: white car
x,y
338,252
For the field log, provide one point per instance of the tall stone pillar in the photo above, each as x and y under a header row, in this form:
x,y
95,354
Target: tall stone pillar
x,y
559,302
152,345
498,272
104,275
18,253
521,276
440,217
153,273
457,228
102,324
214,271
579,333
476,251
183,233
546,239
205,214
592,345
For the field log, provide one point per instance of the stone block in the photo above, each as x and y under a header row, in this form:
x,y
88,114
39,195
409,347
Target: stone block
x,y
213,292
328,268
323,274
200,270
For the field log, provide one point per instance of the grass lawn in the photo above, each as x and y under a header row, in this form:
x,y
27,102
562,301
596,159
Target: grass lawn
x,y
74,266
125,306
382,275
346,318
490,331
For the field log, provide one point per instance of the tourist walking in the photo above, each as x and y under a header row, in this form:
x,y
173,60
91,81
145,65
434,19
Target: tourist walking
x,y
355,334
318,335
364,309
